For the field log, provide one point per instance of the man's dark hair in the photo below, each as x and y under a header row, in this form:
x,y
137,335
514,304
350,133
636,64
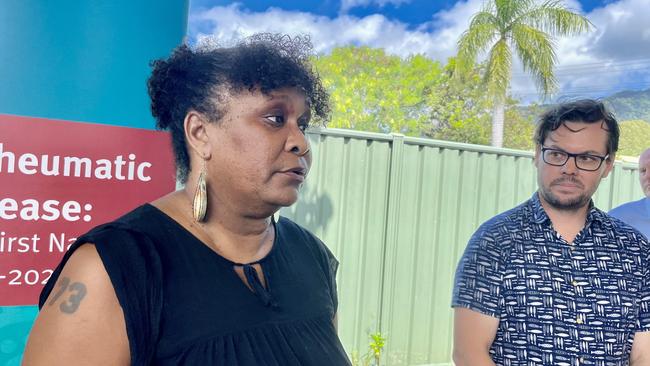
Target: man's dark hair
x,y
583,110
199,78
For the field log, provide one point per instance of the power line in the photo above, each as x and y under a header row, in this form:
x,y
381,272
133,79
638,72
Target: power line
x,y
606,67
602,63
587,89
594,86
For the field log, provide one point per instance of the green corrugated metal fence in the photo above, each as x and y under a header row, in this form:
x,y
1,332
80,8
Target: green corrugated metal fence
x,y
397,211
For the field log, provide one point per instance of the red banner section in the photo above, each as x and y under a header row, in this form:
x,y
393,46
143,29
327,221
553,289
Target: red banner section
x,y
58,180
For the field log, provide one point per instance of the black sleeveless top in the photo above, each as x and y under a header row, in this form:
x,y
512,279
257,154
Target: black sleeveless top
x,y
184,304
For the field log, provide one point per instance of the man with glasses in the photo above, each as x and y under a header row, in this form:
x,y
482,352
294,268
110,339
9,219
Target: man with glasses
x,y
556,281
637,213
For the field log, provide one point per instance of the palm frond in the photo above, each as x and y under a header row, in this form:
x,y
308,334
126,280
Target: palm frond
x,y
536,51
476,39
497,73
483,18
553,18
506,10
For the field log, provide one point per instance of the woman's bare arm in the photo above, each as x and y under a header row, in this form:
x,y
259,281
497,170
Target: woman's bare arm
x,y
82,322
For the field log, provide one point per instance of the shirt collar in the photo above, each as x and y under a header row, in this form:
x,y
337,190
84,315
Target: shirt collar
x,y
540,216
595,214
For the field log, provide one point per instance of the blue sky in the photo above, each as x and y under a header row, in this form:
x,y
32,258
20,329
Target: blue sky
x,y
615,56
412,12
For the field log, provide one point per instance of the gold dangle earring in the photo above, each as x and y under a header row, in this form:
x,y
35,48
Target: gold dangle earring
x,y
200,202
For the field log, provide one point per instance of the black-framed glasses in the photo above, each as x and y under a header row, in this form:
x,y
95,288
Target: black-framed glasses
x,y
557,157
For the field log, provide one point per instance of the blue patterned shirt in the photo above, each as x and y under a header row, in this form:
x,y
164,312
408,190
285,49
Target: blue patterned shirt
x,y
558,303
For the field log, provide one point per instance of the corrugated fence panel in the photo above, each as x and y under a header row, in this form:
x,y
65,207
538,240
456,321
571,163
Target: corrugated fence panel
x,y
408,296
622,185
398,213
446,193
345,202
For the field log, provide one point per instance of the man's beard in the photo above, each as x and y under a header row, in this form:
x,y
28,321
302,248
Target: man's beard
x,y
573,204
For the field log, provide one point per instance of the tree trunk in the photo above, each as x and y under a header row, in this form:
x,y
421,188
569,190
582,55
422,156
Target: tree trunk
x,y
497,122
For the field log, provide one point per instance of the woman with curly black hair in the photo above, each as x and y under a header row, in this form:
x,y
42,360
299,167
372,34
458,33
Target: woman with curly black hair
x,y
205,275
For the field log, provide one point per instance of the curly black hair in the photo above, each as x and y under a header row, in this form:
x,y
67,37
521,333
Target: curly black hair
x,y
582,110
196,78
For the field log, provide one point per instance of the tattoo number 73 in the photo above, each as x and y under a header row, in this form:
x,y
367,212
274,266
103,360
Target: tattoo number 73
x,y
76,292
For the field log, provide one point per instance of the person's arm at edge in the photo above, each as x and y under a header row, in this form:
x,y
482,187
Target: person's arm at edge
x,y
473,335
640,355
82,321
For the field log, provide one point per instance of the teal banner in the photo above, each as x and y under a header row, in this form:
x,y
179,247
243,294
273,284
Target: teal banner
x,y
15,323
83,60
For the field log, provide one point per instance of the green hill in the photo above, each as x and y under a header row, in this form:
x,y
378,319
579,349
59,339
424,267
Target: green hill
x,y
631,105
627,105
632,109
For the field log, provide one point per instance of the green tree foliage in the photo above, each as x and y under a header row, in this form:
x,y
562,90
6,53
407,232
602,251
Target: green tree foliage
x,y
373,91
525,27
460,108
635,137
518,130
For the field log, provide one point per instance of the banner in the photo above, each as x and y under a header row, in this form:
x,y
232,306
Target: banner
x,y
58,180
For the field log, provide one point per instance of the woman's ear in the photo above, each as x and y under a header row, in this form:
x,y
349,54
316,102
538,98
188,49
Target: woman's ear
x,y
196,134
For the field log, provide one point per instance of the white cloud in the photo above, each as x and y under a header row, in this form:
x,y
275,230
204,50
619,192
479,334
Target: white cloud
x,y
436,39
621,29
598,62
614,56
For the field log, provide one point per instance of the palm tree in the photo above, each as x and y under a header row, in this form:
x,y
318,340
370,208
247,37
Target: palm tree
x,y
528,28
